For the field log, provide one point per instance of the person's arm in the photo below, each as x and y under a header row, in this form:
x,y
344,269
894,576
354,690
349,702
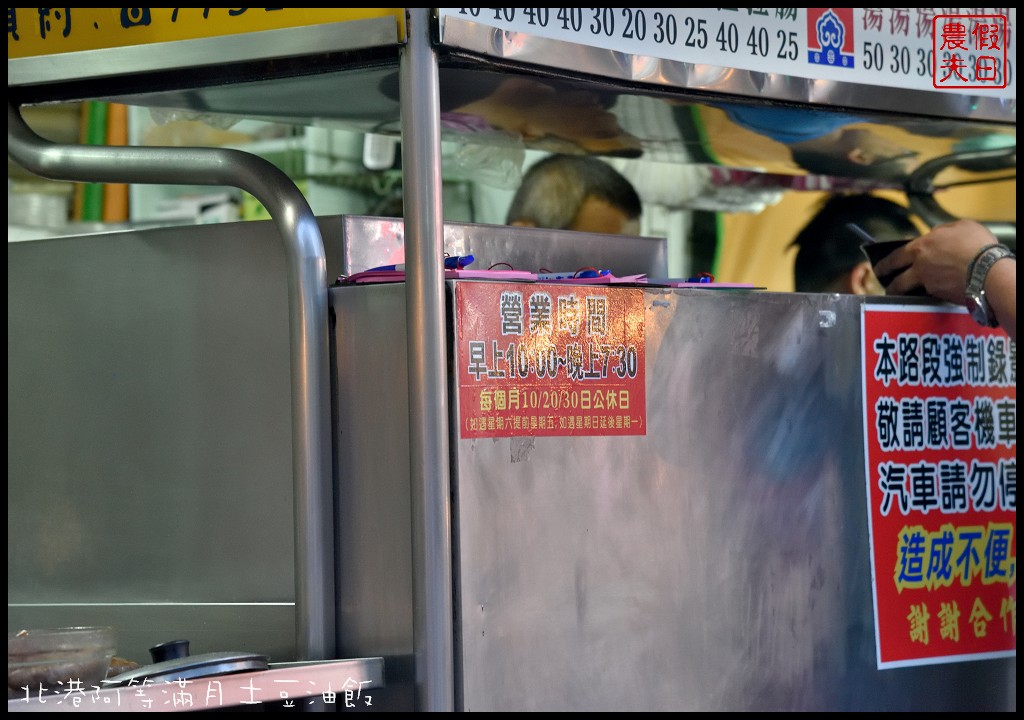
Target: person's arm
x,y
939,261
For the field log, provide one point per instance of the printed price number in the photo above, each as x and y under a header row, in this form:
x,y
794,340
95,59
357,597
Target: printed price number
x,y
662,28
622,361
894,58
659,27
758,42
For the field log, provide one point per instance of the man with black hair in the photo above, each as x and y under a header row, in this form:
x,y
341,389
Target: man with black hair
x,y
829,258
576,192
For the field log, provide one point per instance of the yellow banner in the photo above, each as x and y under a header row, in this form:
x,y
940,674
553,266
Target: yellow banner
x,y
51,31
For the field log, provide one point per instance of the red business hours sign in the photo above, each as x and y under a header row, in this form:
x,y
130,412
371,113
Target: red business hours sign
x,y
550,359
940,404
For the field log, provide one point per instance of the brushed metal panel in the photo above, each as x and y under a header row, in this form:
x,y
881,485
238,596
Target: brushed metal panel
x,y
372,487
718,563
149,441
373,241
373,491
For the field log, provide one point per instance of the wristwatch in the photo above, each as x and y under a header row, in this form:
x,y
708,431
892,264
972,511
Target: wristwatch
x,y
976,302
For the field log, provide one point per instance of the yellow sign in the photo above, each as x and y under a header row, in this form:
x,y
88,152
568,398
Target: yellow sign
x,y
51,31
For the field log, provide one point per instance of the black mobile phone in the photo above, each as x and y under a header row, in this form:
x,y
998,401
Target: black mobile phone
x,y
874,250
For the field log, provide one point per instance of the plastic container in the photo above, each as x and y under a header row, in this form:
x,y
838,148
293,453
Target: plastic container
x,y
58,659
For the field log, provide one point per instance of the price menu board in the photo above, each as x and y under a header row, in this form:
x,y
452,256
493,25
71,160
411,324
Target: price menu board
x,y
960,50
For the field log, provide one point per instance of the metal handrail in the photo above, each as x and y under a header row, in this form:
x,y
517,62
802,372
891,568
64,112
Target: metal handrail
x,y
430,478
307,309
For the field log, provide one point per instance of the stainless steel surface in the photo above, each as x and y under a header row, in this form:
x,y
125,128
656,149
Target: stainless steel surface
x,y
670,122
373,491
150,442
372,241
661,119
122,62
306,273
654,103
428,369
718,563
620,66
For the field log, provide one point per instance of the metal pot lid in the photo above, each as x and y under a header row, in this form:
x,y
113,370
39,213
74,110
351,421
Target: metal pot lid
x,y
192,666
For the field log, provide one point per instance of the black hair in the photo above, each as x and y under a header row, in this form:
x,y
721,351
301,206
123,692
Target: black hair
x,y
828,249
554,188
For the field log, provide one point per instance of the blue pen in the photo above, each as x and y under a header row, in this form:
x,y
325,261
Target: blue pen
x,y
702,278
457,262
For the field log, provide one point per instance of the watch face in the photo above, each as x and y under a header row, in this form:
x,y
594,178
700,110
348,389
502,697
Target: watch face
x,y
978,309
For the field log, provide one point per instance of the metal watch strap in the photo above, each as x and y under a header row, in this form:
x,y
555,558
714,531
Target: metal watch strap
x,y
983,262
974,261
976,302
